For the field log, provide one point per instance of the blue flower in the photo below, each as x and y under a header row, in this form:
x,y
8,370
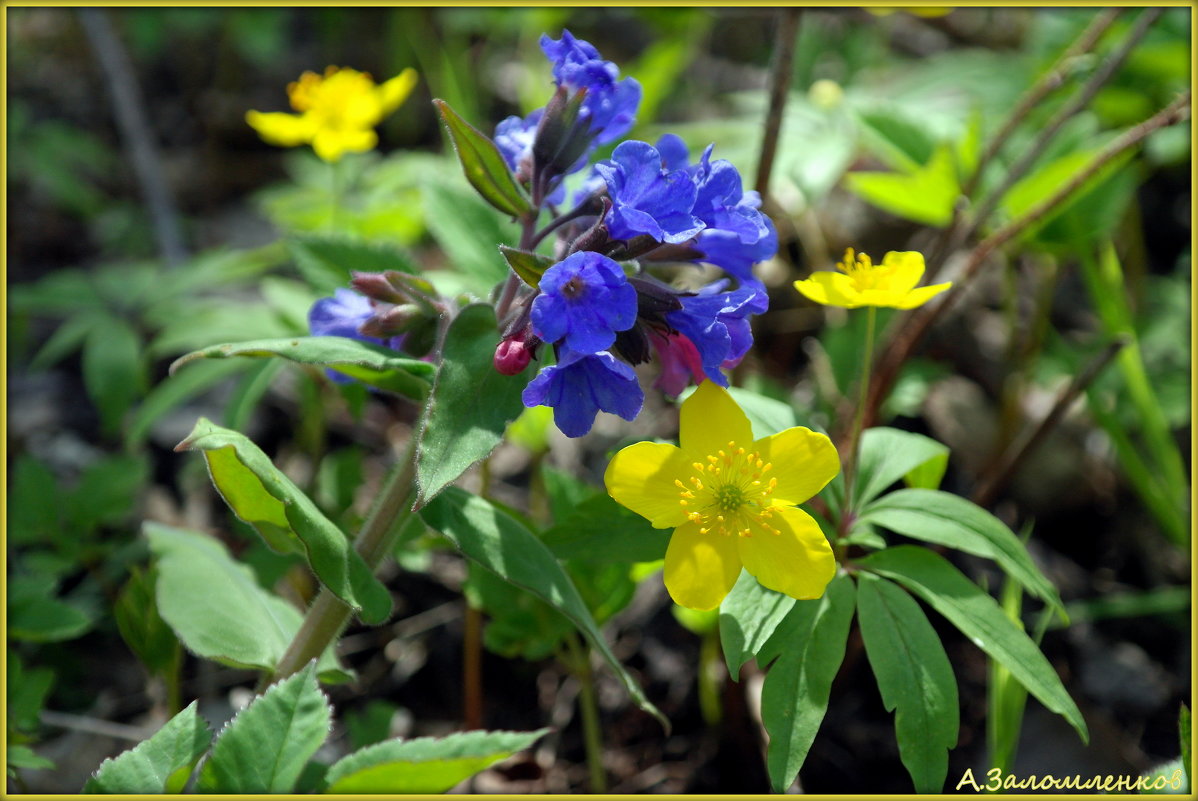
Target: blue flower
x,y
581,385
584,301
647,199
736,234
716,323
343,316
514,137
609,107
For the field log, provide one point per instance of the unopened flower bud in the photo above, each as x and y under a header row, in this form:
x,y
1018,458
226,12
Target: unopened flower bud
x,y
512,355
376,286
392,321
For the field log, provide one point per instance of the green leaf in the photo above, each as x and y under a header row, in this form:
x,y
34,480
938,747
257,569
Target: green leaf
x,y
498,542
468,230
107,493
160,764
946,519
265,747
34,502
748,617
914,677
25,758
217,608
327,261
1046,181
923,195
601,530
979,618
483,164
889,455
67,338
261,495
140,625
809,646
898,141
36,614
27,689
470,405
529,266
369,363
174,391
112,369
426,764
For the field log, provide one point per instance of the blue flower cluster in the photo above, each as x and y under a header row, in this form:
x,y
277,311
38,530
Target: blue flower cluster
x,y
646,203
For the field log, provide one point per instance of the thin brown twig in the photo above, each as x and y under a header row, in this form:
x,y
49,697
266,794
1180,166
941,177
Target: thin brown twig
x,y
780,73
916,326
1075,105
1000,472
1049,82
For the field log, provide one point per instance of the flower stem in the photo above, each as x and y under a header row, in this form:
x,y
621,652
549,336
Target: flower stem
x,y
850,466
328,614
589,706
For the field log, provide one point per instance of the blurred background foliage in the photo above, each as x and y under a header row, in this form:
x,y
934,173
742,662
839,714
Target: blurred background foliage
x,y
886,114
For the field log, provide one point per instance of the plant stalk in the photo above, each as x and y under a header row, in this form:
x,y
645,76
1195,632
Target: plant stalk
x,y
780,74
589,706
850,461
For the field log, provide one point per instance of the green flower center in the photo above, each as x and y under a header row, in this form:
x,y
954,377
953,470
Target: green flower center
x,y
729,494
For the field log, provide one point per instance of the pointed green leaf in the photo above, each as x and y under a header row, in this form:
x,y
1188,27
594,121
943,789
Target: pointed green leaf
x,y
979,618
426,764
914,677
37,614
140,625
924,195
265,747
498,542
529,266
483,164
748,617
112,369
369,363
946,519
160,764
470,405
809,646
174,391
216,606
889,455
261,495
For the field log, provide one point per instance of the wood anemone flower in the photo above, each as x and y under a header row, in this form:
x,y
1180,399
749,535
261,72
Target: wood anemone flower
x,y
731,501
337,111
860,282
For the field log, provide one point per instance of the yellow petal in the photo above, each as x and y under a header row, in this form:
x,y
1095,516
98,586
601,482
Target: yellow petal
x,y
830,289
904,270
804,461
331,144
642,478
918,297
709,420
394,92
700,569
280,128
797,561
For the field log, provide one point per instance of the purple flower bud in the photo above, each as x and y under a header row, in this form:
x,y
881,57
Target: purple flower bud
x,y
512,355
609,108
647,200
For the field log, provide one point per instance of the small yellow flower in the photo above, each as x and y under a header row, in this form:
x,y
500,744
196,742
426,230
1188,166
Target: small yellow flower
x,y
337,111
731,501
862,283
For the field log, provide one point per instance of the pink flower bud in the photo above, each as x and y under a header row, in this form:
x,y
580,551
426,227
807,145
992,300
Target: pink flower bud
x,y
512,355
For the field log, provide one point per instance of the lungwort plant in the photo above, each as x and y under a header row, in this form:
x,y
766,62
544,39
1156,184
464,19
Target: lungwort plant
x,y
628,252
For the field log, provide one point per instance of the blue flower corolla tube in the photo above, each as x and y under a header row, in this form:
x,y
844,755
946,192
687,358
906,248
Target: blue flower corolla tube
x,y
609,107
343,316
581,385
716,323
646,199
585,299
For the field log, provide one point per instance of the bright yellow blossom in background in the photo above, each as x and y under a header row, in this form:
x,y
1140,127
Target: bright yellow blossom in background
x,y
337,111
731,501
860,282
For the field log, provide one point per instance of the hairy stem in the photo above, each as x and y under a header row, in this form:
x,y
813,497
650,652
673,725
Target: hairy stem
x,y
328,614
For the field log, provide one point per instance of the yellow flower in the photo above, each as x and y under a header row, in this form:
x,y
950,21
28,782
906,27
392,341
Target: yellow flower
x,y
337,111
731,502
862,283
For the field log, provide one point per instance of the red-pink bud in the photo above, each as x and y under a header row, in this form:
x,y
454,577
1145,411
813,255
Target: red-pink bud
x,y
512,355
